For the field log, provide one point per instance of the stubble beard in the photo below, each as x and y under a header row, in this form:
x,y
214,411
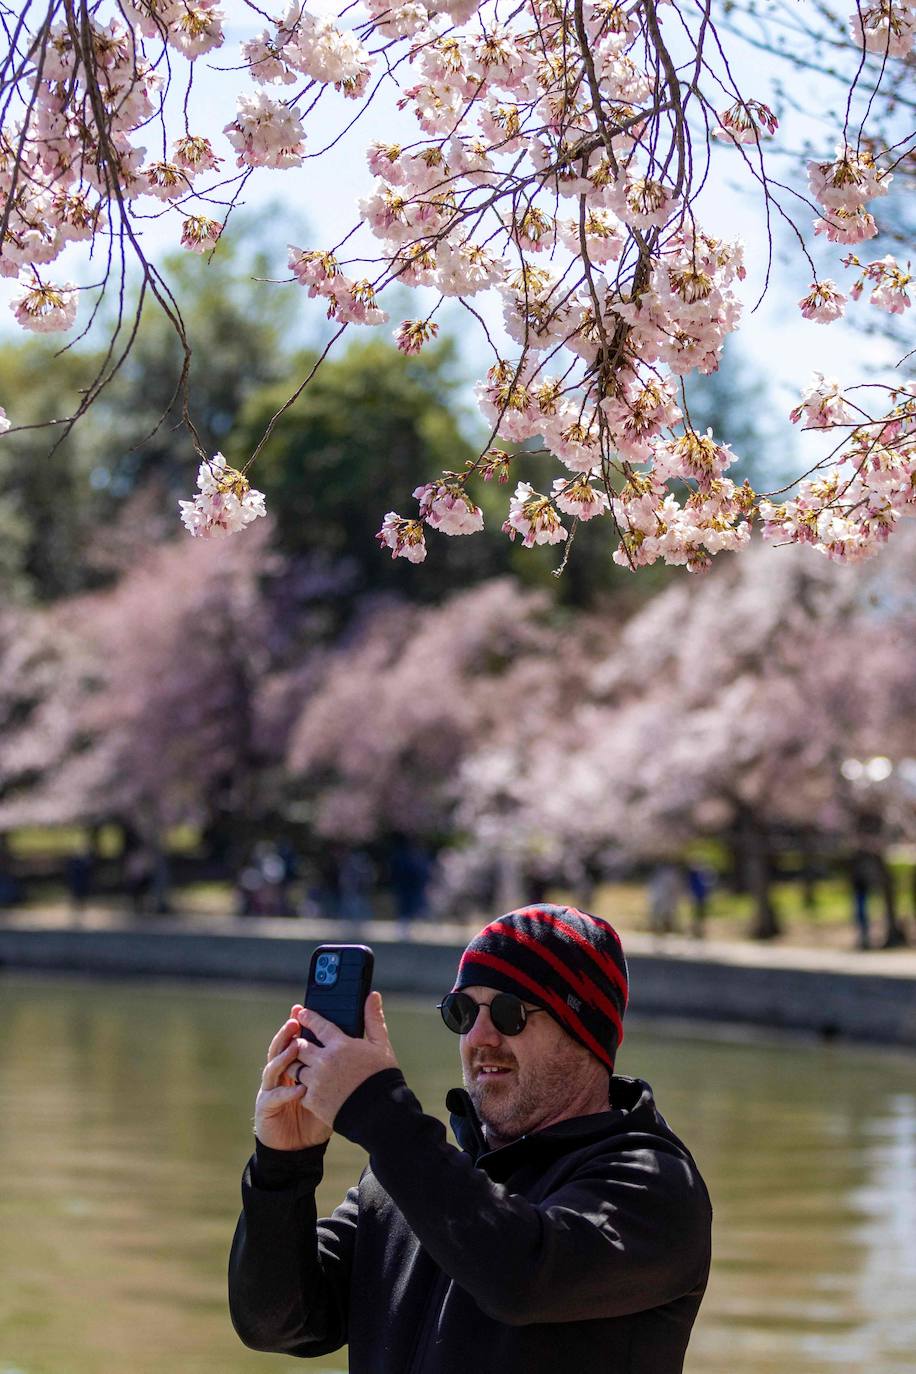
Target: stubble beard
x,y
536,1094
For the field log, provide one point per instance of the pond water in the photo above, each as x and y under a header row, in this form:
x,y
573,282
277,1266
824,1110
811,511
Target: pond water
x,y
125,1121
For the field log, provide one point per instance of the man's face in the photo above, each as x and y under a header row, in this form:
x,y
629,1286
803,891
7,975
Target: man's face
x,y
522,1083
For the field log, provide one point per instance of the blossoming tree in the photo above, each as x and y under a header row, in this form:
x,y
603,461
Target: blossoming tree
x,y
557,748
557,162
141,701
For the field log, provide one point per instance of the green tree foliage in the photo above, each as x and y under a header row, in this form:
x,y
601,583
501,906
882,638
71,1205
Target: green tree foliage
x,y
62,492
47,507
369,428
237,347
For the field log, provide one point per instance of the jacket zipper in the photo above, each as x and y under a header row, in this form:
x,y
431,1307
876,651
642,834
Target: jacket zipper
x,y
433,1306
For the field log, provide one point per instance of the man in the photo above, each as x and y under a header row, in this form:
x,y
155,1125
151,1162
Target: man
x,y
570,1231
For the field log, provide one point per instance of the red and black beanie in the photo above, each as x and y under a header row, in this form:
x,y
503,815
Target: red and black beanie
x,y
561,959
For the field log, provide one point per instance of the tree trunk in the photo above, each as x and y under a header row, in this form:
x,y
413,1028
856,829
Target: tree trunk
x,y
808,875
754,850
894,933
765,922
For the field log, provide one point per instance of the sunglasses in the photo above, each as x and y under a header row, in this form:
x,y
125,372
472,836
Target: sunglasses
x,y
507,1012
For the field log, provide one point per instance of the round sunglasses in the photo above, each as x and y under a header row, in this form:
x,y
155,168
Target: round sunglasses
x,y
507,1012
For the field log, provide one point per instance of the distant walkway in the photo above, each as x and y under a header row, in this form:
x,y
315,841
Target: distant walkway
x,y
746,953
860,995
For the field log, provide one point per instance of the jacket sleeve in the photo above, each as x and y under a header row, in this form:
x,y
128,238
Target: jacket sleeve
x,y
289,1273
628,1232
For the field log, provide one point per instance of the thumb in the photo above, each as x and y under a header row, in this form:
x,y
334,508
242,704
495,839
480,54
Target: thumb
x,y
376,1030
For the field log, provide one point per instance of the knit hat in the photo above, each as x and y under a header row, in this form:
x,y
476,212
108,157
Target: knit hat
x,y
563,960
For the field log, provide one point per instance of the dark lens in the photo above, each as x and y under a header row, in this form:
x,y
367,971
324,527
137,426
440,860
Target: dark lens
x,y
508,1014
459,1012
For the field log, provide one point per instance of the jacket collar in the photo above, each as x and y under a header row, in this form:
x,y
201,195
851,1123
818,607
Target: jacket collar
x,y
628,1096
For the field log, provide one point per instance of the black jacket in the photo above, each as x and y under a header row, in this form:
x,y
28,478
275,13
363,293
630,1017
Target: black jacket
x,y
583,1247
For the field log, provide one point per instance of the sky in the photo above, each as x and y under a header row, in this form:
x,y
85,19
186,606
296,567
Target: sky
x,y
783,348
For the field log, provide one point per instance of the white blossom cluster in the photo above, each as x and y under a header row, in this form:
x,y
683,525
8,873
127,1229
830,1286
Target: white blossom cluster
x,y
225,501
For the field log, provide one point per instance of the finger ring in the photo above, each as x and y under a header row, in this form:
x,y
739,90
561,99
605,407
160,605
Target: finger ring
x,y
299,1067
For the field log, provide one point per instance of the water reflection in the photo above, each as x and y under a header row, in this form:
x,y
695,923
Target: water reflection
x,y
125,1118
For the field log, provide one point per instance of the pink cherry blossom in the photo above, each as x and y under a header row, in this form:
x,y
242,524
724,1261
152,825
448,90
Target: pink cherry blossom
x,y
847,182
353,302
824,302
822,404
200,234
314,269
384,161
266,61
605,236
321,50
403,537
578,497
643,203
194,154
44,308
197,27
266,133
747,121
543,164
847,226
225,502
446,506
411,335
695,456
886,28
534,517
166,180
888,280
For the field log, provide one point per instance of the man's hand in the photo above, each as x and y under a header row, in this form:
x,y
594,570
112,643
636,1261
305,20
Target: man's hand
x,y
336,1067
281,1119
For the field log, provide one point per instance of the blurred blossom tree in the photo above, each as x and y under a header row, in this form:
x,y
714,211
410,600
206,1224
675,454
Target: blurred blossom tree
x,y
379,749
569,164
141,702
728,711
544,746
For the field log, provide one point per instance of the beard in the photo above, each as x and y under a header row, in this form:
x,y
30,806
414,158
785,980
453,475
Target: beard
x,y
534,1093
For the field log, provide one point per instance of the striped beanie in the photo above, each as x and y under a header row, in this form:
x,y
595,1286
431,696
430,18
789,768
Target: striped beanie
x,y
561,959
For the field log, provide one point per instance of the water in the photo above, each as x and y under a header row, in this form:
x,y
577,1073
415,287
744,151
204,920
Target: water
x,y
125,1121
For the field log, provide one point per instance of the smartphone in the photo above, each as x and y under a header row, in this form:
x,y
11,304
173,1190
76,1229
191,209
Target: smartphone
x,y
340,977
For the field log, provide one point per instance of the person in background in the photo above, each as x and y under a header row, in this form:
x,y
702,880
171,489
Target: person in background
x,y
665,891
860,881
410,870
699,885
568,1229
79,880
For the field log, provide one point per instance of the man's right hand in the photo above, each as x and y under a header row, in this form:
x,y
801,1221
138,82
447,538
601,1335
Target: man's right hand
x,y
281,1118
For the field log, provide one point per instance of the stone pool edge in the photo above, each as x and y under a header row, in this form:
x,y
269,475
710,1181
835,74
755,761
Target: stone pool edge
x,y
869,996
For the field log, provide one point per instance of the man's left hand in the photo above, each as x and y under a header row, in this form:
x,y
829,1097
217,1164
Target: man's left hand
x,y
334,1069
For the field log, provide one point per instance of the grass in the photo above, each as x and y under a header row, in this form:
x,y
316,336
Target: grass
x,y
63,841
730,914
